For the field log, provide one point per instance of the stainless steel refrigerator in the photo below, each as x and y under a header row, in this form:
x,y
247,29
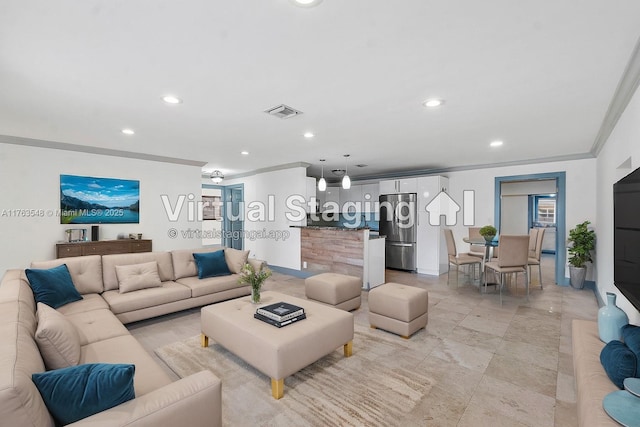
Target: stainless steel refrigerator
x,y
398,217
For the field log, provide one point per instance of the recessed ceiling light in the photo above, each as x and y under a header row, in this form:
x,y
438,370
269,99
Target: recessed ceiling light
x,y
433,102
496,143
309,135
306,3
170,99
128,131
244,153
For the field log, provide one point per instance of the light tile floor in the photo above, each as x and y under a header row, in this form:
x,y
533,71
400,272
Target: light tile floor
x,y
508,365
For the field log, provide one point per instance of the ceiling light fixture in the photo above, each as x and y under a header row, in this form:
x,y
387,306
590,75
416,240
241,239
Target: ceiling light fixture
x,y
322,183
128,131
433,102
217,177
170,99
306,3
244,153
496,143
309,135
346,181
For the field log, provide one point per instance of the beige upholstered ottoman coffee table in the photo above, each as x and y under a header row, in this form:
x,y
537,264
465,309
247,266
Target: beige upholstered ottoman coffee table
x,y
277,352
398,308
338,290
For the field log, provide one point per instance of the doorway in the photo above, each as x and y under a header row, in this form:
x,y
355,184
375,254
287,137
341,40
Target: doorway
x,y
233,213
529,192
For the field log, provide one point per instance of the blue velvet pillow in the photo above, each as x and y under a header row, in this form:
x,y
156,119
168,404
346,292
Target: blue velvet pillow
x,y
211,264
53,286
80,391
631,337
618,361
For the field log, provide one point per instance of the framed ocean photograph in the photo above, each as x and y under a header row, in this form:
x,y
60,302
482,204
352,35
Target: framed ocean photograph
x,y
92,200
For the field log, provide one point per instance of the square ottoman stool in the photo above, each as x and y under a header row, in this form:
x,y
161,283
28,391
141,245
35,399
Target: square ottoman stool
x,y
338,290
397,308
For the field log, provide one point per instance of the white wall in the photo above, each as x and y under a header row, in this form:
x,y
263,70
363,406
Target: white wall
x,y
622,145
272,239
580,189
30,179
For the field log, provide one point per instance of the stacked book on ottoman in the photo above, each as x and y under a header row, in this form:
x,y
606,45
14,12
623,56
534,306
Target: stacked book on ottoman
x,y
280,314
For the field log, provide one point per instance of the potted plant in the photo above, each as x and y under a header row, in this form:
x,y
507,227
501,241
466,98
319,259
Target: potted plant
x,y
581,242
254,278
488,232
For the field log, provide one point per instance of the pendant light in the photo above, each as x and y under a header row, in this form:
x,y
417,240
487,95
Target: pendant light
x,y
346,181
322,183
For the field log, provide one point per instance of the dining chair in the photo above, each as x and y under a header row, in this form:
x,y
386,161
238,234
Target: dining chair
x,y
476,250
533,236
534,258
513,258
457,259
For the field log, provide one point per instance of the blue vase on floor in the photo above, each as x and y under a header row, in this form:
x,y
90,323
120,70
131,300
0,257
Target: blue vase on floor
x,y
611,319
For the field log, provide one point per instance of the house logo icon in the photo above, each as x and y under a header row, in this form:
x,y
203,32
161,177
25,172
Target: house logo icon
x,y
442,205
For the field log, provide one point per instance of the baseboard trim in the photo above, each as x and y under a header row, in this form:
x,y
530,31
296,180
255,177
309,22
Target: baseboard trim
x,y
291,272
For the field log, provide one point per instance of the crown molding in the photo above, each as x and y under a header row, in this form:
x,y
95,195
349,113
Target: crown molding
x,y
53,145
622,96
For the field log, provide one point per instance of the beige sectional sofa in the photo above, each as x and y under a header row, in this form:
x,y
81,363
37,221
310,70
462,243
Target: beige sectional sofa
x,y
98,319
592,382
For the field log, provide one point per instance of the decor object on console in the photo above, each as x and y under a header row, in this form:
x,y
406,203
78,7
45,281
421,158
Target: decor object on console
x,y
611,319
581,242
249,276
488,232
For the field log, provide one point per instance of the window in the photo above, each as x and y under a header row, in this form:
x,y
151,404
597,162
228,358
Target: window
x,y
545,210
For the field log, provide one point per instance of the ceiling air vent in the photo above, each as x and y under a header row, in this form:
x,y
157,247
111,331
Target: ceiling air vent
x,y
282,111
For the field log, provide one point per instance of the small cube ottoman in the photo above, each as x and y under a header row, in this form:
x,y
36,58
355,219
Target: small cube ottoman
x,y
338,290
397,308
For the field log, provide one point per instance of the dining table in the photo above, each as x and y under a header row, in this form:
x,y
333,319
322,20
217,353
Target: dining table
x,y
488,254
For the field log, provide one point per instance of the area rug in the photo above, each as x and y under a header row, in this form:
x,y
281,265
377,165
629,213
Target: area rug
x,y
366,389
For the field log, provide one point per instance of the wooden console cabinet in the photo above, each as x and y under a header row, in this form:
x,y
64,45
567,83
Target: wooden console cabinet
x,y
103,247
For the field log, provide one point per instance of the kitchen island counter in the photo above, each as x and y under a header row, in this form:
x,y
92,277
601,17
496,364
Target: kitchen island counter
x,y
343,250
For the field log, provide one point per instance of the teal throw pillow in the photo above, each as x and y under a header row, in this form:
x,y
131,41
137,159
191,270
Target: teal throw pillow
x,y
53,286
618,361
211,264
77,392
631,337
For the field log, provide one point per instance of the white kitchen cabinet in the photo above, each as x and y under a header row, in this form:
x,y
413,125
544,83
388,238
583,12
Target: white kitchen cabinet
x,y
370,195
311,205
350,200
404,185
432,256
331,199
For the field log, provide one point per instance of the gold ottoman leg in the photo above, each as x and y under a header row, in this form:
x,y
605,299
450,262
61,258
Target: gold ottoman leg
x,y
348,349
204,340
277,388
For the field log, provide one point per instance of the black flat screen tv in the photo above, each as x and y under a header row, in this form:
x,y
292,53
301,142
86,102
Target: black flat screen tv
x,y
626,238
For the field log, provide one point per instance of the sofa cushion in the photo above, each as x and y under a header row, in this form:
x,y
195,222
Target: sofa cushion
x,y
149,376
86,271
184,265
211,264
618,361
631,337
236,259
138,276
210,285
96,325
77,392
109,263
145,298
53,286
57,339
89,302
